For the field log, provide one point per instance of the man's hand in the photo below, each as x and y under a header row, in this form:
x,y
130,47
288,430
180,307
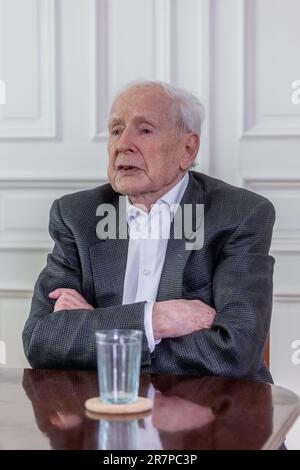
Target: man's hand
x,y
68,299
174,318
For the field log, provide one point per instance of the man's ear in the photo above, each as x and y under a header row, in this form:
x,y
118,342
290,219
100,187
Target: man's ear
x,y
191,148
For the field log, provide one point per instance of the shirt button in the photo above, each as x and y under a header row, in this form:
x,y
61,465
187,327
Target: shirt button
x,y
146,272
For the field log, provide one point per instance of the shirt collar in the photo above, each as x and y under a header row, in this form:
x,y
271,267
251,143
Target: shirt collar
x,y
172,197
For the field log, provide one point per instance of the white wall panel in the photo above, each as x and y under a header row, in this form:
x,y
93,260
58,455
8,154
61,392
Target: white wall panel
x,y
271,42
284,332
25,208
21,267
286,273
25,215
28,69
285,196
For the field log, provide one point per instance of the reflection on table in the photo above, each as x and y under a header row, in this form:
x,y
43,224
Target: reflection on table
x,y
189,413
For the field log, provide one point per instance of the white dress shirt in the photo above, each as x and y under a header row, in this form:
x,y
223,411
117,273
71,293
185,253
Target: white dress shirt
x,y
148,240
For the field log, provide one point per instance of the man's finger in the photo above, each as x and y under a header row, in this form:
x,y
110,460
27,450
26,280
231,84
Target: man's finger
x,y
58,292
71,299
73,294
53,295
67,298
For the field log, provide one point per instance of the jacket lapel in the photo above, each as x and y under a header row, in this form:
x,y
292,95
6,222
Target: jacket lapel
x,y
177,255
108,260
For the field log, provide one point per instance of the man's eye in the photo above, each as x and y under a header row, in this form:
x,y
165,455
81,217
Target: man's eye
x,y
115,132
145,130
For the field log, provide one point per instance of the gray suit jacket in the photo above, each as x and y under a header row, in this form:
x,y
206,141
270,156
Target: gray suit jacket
x,y
232,273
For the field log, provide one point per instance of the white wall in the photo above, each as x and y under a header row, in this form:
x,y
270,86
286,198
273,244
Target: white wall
x,y
62,62
255,143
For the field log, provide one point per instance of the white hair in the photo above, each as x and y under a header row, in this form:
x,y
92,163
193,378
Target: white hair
x,y
187,111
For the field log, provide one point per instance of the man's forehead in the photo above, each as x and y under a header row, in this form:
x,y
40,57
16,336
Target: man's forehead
x,y
147,116
141,102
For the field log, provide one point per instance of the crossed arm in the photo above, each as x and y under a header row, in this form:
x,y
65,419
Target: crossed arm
x,y
59,332
171,318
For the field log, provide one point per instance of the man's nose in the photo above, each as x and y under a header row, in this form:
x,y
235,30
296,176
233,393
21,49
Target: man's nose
x,y
126,142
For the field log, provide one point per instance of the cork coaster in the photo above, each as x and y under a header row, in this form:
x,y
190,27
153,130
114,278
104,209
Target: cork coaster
x,y
97,406
117,417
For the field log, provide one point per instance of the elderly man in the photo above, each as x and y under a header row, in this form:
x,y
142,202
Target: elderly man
x,y
203,311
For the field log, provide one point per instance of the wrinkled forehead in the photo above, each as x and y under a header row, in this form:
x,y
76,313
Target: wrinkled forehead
x,y
147,101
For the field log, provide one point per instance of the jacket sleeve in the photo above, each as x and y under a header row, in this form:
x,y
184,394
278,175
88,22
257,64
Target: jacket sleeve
x,y
242,288
65,339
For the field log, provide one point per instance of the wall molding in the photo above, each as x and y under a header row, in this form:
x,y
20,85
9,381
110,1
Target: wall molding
x,y
38,194
284,241
265,179
287,298
15,293
208,83
163,14
44,125
285,245
42,247
100,53
50,181
254,124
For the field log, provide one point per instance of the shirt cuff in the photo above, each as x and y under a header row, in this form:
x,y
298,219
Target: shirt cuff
x,y
148,309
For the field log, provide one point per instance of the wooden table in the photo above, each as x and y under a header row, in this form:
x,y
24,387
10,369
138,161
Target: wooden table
x,y
44,409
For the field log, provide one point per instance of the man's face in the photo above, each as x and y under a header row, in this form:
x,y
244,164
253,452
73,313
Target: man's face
x,y
145,156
